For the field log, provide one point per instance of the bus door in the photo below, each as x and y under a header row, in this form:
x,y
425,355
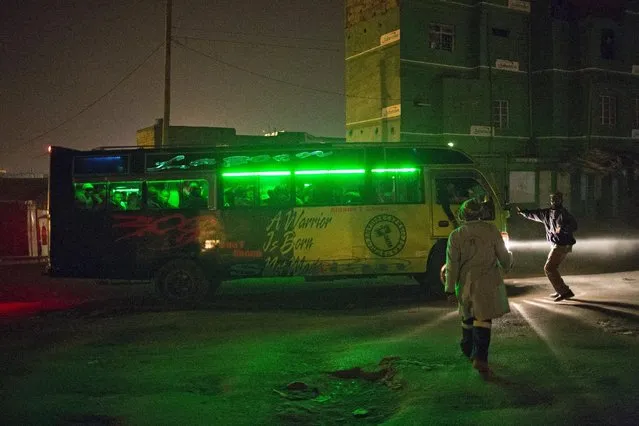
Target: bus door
x,y
449,191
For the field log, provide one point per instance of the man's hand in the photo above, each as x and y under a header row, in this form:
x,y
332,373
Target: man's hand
x,y
518,209
451,298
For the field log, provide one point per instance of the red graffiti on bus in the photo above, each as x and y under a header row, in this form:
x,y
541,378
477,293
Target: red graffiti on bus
x,y
182,230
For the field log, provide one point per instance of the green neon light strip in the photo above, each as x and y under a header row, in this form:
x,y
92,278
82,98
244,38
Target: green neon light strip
x,y
321,172
331,172
243,174
403,170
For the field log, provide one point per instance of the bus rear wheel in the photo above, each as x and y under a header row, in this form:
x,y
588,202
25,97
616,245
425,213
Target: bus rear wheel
x,y
181,280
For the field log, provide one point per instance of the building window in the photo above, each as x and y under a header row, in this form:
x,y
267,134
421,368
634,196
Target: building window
x,y
442,37
501,32
607,44
636,120
608,111
500,114
562,9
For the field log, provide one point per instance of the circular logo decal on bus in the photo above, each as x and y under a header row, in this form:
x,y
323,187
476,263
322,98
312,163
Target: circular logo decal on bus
x,y
385,235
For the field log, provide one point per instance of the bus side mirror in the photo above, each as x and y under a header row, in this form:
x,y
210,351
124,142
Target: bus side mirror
x,y
507,210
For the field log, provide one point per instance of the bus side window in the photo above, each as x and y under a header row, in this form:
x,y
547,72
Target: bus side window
x,y
325,189
457,190
274,190
125,196
239,191
89,196
195,194
397,186
164,194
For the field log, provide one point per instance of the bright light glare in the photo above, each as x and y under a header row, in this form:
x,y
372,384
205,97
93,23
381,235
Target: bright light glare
x,y
506,238
451,144
587,246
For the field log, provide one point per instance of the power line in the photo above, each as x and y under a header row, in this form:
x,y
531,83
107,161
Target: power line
x,y
91,104
258,35
313,89
250,43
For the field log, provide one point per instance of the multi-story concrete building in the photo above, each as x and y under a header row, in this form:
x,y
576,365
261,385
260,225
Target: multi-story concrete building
x,y
533,89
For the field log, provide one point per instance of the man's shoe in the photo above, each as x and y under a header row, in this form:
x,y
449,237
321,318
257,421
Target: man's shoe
x,y
481,366
565,296
554,295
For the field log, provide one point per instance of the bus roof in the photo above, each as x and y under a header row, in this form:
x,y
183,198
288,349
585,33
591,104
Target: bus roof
x,y
427,154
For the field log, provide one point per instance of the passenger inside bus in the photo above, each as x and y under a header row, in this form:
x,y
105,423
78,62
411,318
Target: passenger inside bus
x,y
243,197
385,192
277,196
116,201
449,193
193,197
159,199
87,197
133,201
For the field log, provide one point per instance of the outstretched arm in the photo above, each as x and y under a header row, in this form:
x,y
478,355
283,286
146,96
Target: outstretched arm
x,y
538,215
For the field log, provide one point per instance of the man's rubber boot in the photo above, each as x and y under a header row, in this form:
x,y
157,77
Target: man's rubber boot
x,y
481,343
466,343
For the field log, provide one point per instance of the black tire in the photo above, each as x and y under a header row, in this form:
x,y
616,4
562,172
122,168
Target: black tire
x,y
214,283
181,280
431,280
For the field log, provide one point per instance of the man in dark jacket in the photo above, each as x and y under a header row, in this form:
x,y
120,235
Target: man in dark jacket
x,y
560,225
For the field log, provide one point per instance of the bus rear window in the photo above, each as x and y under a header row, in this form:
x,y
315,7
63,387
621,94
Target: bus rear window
x,y
101,165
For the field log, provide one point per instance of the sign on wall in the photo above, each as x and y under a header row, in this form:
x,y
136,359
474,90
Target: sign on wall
x,y
389,38
635,134
635,69
481,130
392,111
522,6
505,64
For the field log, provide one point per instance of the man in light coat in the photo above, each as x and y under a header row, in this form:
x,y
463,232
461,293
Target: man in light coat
x,y
476,255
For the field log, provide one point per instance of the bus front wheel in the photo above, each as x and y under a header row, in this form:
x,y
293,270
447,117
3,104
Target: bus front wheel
x,y
431,280
181,280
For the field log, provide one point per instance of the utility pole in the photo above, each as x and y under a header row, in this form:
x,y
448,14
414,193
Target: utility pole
x,y
167,74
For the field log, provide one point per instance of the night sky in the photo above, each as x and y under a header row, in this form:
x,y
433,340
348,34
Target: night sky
x,y
84,74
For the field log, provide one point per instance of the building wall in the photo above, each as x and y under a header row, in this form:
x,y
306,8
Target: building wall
x,y
372,74
559,70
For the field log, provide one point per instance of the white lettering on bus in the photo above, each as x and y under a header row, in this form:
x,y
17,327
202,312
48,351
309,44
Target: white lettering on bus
x,y
318,222
294,266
